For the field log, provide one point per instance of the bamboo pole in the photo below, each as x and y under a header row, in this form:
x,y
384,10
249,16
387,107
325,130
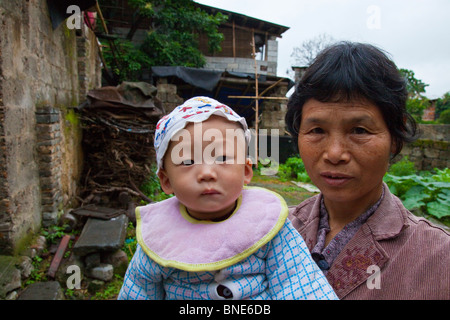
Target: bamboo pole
x,y
257,97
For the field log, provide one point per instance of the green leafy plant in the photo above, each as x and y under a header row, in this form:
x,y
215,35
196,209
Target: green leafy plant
x,y
443,104
404,167
111,291
429,193
127,62
152,188
444,117
38,273
53,233
293,169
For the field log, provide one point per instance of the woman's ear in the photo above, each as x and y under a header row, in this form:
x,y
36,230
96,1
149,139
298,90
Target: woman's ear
x,y
393,148
164,181
248,171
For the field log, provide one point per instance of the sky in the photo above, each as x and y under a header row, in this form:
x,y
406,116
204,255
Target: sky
x,y
415,33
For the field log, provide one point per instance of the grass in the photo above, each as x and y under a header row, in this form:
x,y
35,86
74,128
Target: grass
x,y
292,194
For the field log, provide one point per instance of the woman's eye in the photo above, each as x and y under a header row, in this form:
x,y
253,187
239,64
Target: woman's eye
x,y
359,130
316,131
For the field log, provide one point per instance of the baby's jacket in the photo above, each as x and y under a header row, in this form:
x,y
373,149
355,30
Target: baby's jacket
x,y
253,254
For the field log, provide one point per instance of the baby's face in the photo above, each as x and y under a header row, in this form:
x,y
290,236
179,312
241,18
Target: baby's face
x,y
205,166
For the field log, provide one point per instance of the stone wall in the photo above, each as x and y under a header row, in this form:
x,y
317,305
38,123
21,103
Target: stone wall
x,y
431,150
268,66
167,94
241,65
40,139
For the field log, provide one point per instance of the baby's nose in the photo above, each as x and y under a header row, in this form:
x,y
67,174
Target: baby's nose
x,y
206,172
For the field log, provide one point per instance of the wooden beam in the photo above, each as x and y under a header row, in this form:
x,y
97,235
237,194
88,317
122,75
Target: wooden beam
x,y
270,87
58,256
234,40
244,81
258,98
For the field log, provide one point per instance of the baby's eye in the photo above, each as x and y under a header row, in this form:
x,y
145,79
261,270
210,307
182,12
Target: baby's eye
x,y
221,159
188,162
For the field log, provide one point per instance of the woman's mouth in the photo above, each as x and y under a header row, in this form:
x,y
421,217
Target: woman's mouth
x,y
335,179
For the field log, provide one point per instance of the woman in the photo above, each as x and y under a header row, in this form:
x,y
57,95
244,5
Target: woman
x,y
348,114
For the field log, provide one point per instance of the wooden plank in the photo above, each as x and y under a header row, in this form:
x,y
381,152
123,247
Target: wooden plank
x,y
58,256
254,97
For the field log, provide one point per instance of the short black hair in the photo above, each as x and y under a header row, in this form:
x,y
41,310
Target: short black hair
x,y
349,71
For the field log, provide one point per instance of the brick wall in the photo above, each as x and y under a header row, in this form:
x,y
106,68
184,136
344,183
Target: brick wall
x,y
40,139
48,143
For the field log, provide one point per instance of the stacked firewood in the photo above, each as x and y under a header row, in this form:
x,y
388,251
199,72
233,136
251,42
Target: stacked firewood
x,y
118,147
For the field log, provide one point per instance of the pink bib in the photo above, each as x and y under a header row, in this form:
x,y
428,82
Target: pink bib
x,y
172,238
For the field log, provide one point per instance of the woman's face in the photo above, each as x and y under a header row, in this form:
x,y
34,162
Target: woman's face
x,y
346,148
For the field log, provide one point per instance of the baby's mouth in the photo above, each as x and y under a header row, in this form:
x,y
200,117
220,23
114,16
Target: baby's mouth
x,y
208,192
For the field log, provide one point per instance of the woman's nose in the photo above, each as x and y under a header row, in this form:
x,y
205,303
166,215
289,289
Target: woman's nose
x,y
336,150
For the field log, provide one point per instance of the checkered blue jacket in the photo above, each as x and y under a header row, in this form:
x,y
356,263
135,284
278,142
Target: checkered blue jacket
x,y
282,269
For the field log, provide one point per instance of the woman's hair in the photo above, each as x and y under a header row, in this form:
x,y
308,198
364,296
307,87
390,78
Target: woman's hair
x,y
350,71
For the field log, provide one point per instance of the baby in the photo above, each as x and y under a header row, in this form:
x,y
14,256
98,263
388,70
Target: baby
x,y
216,238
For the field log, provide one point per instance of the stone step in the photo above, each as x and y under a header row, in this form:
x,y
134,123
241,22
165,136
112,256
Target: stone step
x,y
49,290
101,235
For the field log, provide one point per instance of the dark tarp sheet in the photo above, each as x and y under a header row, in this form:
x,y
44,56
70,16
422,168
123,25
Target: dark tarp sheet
x,y
205,79
200,78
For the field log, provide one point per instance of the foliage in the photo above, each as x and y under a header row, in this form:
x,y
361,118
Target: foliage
x,y
416,102
414,86
426,192
416,107
152,188
129,60
444,117
293,169
130,242
173,37
442,104
111,291
404,167
53,233
39,271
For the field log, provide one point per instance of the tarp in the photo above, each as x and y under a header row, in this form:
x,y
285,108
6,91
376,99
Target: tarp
x,y
205,79
127,94
200,78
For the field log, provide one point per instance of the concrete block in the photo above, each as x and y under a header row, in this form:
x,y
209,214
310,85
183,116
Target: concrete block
x,y
101,235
